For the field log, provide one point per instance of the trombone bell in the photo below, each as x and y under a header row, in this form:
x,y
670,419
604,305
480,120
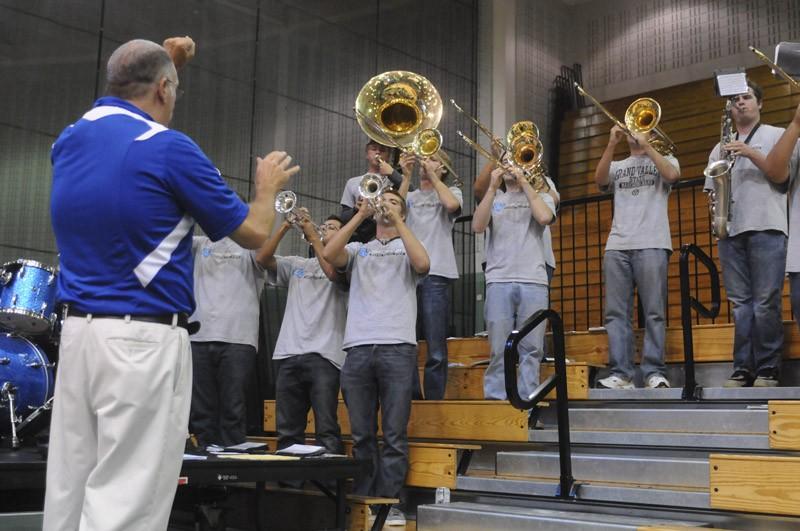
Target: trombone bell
x,y
643,115
427,143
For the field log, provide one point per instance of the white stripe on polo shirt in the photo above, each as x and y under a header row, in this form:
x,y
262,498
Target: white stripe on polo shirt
x,y
104,111
151,264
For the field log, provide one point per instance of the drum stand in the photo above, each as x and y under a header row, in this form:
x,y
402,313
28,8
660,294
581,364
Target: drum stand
x,y
7,394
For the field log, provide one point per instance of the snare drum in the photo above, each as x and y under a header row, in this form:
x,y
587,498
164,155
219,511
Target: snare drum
x,y
26,367
28,297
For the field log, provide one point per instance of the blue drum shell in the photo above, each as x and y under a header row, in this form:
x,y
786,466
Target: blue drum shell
x,y
27,368
28,298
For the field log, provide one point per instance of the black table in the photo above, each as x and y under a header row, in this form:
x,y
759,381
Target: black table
x,y
26,469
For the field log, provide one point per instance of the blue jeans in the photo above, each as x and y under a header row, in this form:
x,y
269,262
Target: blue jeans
x,y
508,305
308,381
647,270
220,375
373,377
433,314
753,265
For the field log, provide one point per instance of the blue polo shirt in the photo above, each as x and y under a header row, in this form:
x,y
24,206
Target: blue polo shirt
x,y
126,194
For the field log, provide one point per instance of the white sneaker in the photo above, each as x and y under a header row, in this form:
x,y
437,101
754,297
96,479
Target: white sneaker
x,y
615,382
657,381
396,517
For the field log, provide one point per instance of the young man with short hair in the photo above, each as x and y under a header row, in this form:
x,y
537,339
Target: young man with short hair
x,y
380,339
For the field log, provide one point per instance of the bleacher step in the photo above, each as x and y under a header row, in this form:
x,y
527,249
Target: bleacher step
x,y
605,492
642,470
661,439
464,516
709,393
732,420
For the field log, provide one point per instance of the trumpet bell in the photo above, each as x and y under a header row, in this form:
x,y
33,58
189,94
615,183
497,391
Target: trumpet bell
x,y
643,115
427,142
371,186
285,202
399,104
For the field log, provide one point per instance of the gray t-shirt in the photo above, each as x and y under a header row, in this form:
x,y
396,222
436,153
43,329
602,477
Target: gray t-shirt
x,y
383,297
793,249
515,249
641,201
227,285
757,204
316,310
430,222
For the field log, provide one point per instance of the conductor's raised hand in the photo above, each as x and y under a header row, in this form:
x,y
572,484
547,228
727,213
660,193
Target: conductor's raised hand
x,y
274,171
180,49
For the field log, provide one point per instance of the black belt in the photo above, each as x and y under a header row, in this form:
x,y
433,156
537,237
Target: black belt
x,y
183,319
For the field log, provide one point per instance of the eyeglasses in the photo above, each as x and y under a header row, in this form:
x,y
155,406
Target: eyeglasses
x,y
178,91
330,227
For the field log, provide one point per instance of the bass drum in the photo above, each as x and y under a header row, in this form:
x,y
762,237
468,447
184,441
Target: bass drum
x,y
25,367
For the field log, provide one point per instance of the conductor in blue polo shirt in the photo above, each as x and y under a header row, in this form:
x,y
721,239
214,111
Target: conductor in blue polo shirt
x,y
127,191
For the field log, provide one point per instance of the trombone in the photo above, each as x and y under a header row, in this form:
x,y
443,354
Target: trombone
x,y
776,70
522,149
402,110
642,116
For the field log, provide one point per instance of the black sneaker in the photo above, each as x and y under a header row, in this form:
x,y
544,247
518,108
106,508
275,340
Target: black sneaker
x,y
766,378
739,378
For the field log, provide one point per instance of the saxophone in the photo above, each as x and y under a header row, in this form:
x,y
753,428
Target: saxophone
x,y
719,198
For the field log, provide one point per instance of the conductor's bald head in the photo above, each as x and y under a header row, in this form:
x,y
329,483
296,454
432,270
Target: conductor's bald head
x,y
141,72
134,67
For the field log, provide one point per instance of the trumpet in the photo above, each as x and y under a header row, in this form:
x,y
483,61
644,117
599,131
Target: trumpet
x,y
402,110
521,150
286,204
642,116
370,188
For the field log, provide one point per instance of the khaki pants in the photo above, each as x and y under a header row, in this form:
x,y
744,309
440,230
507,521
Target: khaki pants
x,y
119,424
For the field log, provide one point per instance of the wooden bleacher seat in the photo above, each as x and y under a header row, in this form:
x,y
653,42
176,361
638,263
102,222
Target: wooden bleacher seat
x,y
755,483
449,420
784,424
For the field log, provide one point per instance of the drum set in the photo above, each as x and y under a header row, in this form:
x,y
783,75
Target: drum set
x,y
28,312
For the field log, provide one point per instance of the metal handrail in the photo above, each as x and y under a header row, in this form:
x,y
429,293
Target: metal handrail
x,y
691,391
558,381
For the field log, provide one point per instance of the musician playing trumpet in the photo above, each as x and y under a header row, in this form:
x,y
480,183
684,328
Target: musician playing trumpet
x,y
753,256
637,252
380,339
309,351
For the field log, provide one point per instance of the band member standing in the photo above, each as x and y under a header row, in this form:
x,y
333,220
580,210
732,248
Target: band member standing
x,y
380,340
516,276
637,253
126,193
432,211
753,256
378,157
309,347
227,286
